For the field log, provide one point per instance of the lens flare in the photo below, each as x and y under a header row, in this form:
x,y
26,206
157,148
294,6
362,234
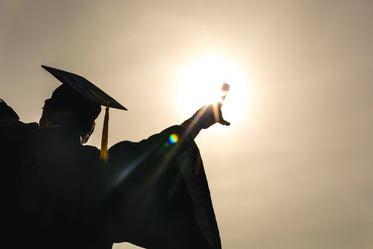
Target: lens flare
x,y
173,139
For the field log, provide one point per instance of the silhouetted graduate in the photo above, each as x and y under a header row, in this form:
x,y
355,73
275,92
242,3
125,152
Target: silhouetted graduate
x,y
61,194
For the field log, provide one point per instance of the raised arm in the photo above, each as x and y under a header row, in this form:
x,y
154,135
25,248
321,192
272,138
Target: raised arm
x,y
204,118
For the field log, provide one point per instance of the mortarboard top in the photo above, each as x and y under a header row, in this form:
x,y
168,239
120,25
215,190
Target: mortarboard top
x,y
85,88
91,93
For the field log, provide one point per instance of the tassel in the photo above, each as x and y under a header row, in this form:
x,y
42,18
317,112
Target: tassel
x,y
104,155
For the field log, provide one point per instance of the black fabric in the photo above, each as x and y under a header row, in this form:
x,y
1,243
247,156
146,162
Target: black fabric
x,y
7,114
161,208
56,193
50,192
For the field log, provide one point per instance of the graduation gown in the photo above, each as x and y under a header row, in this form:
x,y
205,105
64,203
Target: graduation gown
x,y
161,197
58,194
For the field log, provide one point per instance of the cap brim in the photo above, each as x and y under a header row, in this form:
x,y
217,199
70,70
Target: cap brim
x,y
87,89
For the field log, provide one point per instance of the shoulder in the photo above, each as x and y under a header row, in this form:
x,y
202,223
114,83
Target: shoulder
x,y
90,154
7,115
10,125
126,150
18,131
126,145
90,148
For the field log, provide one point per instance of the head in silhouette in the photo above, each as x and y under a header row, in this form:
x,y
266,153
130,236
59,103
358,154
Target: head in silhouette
x,y
76,104
67,108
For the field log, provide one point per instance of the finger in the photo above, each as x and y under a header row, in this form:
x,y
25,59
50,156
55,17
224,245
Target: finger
x,y
224,122
219,116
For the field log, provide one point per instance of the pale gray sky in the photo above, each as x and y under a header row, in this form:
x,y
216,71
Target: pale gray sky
x,y
296,172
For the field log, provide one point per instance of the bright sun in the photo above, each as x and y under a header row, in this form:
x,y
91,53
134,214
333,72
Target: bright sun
x,y
201,82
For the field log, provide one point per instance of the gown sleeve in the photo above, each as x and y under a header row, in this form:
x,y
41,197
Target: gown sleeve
x,y
160,194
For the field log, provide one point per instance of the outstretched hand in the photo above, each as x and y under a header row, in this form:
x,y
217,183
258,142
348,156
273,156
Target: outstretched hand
x,y
209,115
205,117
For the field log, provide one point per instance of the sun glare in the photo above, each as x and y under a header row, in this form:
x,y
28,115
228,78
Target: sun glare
x,y
201,82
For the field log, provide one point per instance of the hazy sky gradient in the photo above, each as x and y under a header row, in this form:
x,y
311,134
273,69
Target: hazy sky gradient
x,y
297,171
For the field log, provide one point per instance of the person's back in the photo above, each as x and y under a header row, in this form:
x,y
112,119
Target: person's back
x,y
59,193
51,188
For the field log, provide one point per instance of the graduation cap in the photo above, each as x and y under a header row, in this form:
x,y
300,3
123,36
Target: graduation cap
x,y
92,93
